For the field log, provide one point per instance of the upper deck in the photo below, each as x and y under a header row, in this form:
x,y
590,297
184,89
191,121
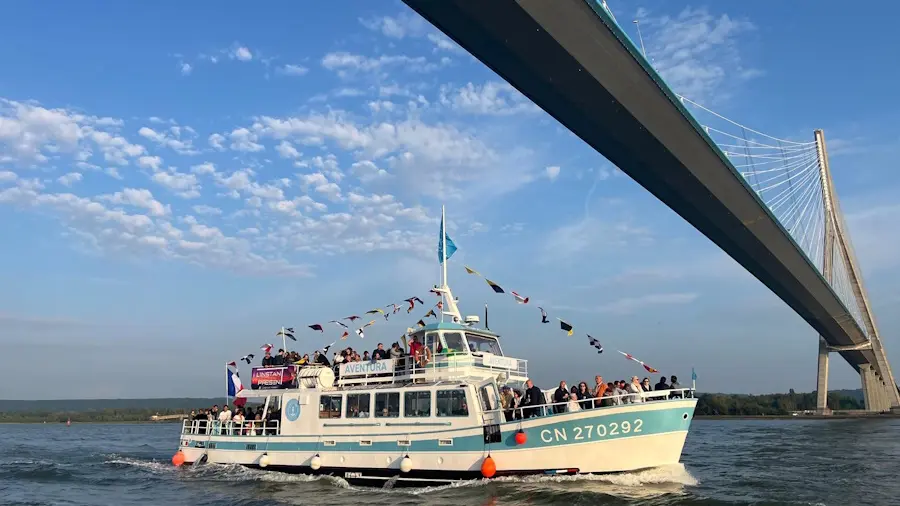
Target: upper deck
x,y
446,351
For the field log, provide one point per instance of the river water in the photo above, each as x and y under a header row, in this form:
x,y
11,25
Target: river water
x,y
727,462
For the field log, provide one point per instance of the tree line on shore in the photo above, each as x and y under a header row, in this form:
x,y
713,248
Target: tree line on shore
x,y
709,404
770,404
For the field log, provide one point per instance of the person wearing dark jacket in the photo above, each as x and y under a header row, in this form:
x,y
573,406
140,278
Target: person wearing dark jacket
x,y
320,358
532,400
380,353
661,385
560,397
278,360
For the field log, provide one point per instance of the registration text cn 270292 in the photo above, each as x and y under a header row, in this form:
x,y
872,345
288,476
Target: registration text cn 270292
x,y
590,432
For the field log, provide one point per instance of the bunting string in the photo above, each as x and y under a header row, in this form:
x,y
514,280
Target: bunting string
x,y
565,326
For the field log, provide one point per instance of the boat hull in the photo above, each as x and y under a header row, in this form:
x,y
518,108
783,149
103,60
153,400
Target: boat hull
x,y
604,440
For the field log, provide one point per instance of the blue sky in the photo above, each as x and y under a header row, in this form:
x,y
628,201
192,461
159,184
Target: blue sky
x,y
178,181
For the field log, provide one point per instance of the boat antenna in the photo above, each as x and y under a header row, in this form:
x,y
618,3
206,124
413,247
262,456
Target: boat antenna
x,y
485,318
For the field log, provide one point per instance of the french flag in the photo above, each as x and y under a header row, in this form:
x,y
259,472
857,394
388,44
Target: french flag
x,y
234,383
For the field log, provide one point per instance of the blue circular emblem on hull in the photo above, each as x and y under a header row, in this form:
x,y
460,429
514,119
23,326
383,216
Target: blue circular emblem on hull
x,y
292,410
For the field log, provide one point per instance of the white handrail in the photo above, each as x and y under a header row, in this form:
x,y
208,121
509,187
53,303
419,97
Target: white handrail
x,y
595,402
230,428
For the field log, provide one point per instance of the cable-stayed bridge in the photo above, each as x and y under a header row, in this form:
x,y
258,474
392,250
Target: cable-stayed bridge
x,y
767,202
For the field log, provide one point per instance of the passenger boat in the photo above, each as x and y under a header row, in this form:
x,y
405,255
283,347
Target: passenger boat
x,y
399,422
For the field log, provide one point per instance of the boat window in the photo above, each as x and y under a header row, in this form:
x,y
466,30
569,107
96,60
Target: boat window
x,y
432,342
452,403
387,404
487,399
483,344
416,404
330,406
454,341
358,405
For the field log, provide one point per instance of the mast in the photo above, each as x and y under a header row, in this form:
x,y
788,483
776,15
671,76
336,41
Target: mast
x,y
443,259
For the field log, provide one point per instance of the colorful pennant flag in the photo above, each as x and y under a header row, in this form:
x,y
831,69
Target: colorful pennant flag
x,y
430,313
647,367
316,326
247,358
395,308
374,311
471,270
344,335
565,326
543,315
339,323
494,286
519,298
351,318
595,343
266,348
420,323
443,237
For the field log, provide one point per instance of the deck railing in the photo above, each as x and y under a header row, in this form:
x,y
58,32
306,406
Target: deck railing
x,y
551,408
439,366
230,428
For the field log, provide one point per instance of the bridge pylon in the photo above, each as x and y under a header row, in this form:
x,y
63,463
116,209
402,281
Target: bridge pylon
x,y
879,388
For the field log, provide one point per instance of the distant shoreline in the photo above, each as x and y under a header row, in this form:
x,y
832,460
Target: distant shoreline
x,y
841,416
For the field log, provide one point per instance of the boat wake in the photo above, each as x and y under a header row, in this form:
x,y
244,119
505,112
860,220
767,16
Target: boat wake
x,y
644,484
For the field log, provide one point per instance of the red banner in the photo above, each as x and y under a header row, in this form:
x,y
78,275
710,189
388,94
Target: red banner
x,y
273,377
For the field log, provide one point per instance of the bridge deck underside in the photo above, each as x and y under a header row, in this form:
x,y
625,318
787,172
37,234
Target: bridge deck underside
x,y
584,72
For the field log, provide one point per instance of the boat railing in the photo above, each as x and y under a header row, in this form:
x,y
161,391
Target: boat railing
x,y
230,428
607,401
438,366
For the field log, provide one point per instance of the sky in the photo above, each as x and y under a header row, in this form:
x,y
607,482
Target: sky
x,y
178,181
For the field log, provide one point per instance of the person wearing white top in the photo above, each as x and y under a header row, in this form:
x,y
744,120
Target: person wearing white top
x,y
573,402
634,388
237,421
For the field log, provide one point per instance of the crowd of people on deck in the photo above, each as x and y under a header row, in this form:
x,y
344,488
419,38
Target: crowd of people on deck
x,y
241,421
534,402
417,351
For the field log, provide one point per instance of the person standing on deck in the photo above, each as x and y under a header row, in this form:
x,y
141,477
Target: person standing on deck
x,y
532,400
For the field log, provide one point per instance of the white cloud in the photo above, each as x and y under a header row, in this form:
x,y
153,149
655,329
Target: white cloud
x,y
241,53
7,176
139,198
186,69
293,70
366,171
437,159
696,52
347,64
184,185
244,140
552,172
150,162
69,179
286,150
216,141
493,97
403,25
206,210
174,142
442,43
206,168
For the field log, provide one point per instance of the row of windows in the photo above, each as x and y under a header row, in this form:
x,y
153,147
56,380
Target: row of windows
x,y
416,404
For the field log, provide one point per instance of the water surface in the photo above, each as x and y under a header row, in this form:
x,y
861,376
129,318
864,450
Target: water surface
x,y
726,462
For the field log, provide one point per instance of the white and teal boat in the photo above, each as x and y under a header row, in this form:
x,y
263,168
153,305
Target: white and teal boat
x,y
417,423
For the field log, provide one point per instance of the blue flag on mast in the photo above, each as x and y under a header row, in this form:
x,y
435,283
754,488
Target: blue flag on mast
x,y
451,248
